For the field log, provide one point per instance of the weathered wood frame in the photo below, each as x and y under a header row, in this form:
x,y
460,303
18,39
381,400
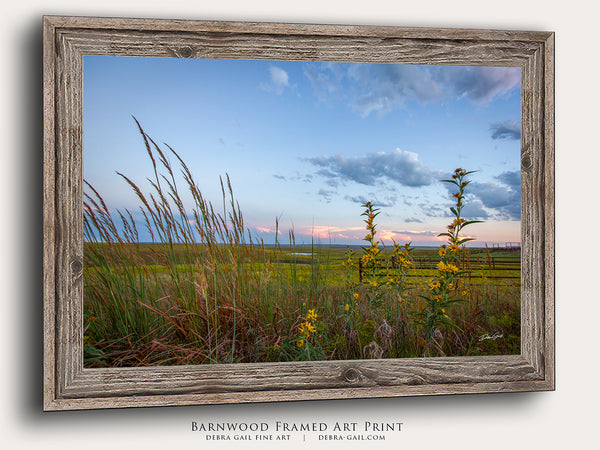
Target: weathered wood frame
x,y
67,385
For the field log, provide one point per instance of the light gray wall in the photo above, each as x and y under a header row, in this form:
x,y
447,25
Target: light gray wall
x,y
462,422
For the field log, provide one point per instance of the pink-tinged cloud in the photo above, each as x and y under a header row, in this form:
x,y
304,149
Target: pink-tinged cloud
x,y
407,236
325,232
267,230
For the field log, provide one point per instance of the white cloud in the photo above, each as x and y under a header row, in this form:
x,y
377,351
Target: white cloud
x,y
504,197
400,166
361,199
279,77
279,80
509,129
381,88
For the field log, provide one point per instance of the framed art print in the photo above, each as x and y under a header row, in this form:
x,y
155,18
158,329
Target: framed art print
x,y
255,212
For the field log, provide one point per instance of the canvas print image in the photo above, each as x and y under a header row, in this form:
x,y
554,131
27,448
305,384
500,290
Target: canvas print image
x,y
268,211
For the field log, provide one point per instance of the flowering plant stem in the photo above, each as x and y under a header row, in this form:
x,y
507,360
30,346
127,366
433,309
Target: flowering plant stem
x,y
443,286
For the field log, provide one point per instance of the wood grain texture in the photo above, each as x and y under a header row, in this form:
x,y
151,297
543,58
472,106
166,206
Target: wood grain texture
x,y
287,29
68,386
291,47
69,214
124,401
549,199
49,194
532,214
229,378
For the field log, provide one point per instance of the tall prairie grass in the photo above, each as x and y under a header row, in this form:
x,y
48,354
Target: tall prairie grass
x,y
205,290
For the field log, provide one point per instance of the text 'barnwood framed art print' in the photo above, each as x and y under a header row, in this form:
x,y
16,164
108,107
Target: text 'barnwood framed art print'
x,y
257,212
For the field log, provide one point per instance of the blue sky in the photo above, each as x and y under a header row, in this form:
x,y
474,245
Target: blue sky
x,y
308,142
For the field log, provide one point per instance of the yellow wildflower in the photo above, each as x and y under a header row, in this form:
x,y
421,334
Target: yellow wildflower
x,y
433,284
312,315
306,328
458,221
355,295
347,307
300,343
443,267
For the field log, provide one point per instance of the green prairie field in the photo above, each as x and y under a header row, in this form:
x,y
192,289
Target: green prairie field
x,y
155,304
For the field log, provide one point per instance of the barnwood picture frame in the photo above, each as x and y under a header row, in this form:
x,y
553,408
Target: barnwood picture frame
x,y
68,385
